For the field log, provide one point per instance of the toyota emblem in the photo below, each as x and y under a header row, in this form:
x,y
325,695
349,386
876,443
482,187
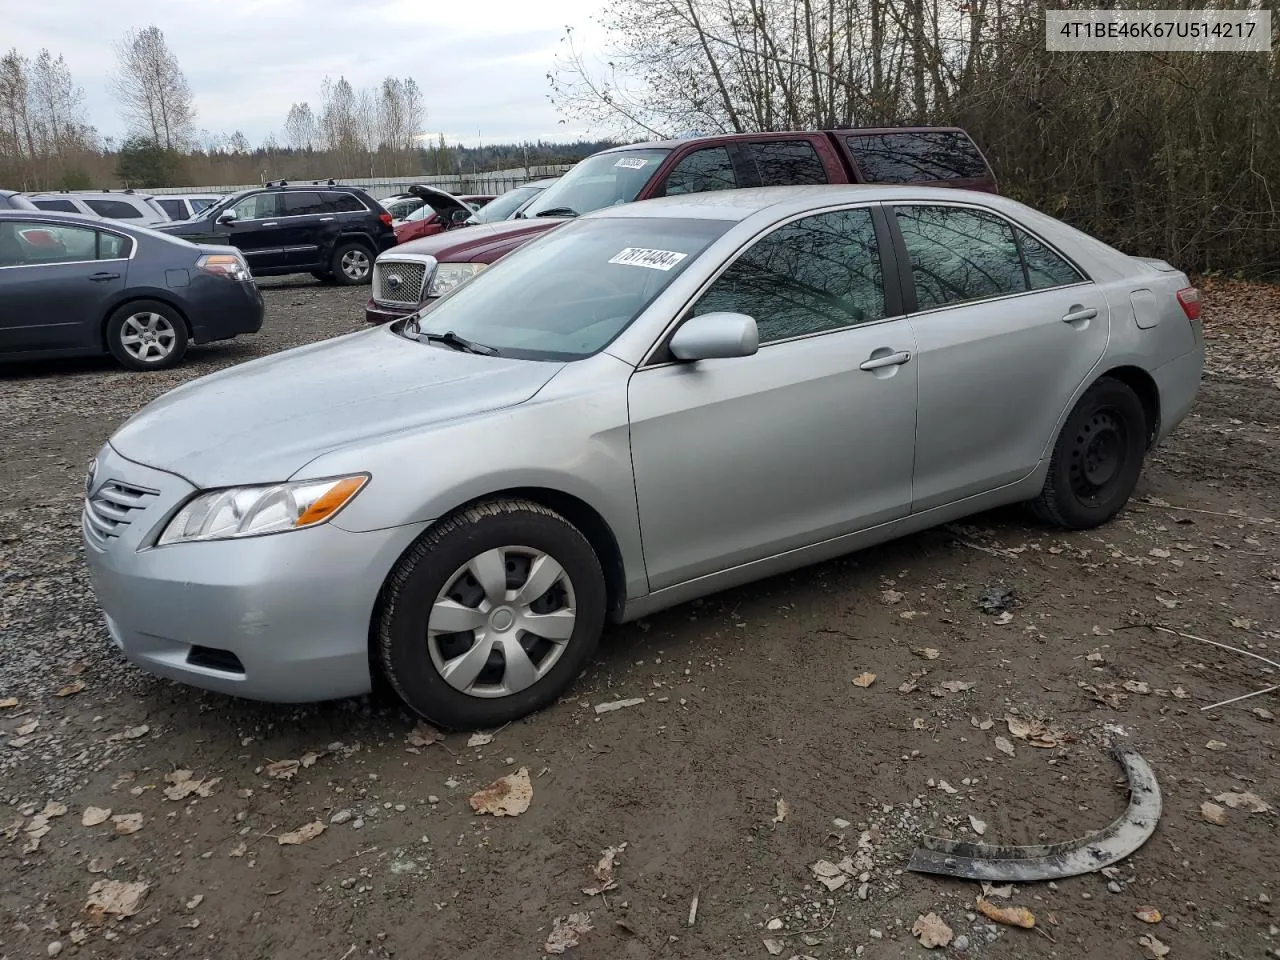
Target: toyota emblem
x,y
93,473
394,281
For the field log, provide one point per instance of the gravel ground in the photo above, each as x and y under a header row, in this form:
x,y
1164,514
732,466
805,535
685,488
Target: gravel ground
x,y
761,748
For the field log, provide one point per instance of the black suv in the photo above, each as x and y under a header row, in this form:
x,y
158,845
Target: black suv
x,y
322,228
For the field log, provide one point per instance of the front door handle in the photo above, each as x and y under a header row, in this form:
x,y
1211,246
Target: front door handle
x,y
891,360
103,277
325,219
1080,313
271,223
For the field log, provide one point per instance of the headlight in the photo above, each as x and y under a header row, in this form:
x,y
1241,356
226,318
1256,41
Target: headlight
x,y
225,265
253,511
450,275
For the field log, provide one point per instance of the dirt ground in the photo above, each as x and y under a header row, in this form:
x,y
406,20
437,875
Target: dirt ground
x,y
750,711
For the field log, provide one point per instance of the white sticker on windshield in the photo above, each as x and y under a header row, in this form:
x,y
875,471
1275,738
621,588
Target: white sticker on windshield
x,y
653,259
632,163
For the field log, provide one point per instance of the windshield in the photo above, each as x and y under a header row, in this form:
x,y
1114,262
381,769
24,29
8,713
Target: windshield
x,y
568,294
219,205
504,206
600,181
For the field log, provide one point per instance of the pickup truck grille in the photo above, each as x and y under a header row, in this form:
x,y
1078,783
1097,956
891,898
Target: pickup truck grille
x,y
113,508
398,282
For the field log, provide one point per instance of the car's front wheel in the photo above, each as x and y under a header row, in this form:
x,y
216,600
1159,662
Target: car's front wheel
x,y
146,335
491,615
1097,458
352,264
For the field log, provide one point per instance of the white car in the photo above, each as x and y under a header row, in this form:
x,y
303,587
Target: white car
x,y
140,209
186,205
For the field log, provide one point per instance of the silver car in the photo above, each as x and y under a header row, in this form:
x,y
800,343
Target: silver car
x,y
646,405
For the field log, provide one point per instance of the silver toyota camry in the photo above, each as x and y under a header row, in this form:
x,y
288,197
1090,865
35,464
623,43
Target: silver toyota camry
x,y
648,404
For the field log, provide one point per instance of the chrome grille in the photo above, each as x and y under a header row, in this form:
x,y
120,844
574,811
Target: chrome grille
x,y
398,281
112,508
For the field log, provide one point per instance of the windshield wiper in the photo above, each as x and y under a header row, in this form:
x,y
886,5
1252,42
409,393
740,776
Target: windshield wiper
x,y
558,212
451,339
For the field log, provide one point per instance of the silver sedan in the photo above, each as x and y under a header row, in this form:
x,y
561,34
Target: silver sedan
x,y
651,403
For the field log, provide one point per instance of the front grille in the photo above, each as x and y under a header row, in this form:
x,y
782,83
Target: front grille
x,y
398,281
112,508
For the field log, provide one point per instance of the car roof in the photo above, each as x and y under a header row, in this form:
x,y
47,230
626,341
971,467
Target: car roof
x,y
71,219
775,134
736,205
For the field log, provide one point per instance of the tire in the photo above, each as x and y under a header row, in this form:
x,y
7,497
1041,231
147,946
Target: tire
x,y
436,578
352,264
147,335
324,276
1097,459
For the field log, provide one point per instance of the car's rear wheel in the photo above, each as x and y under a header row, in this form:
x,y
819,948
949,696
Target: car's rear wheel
x,y
146,335
1097,459
491,615
352,264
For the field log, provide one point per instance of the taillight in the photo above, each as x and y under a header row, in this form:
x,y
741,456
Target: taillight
x,y
1189,298
386,218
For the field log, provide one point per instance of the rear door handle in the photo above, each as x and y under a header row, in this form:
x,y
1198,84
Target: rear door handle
x,y
325,219
271,223
892,360
102,277
1084,313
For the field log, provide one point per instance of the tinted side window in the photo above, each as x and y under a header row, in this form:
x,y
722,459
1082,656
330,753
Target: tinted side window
x,y
174,208
784,163
60,206
819,273
912,157
114,209
301,203
341,203
958,255
28,243
112,246
702,170
1044,267
257,206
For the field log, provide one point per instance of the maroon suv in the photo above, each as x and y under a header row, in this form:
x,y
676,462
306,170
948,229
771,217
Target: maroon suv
x,y
935,156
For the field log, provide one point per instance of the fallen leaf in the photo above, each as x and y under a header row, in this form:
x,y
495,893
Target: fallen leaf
x,y
71,689
979,827
1137,686
932,931
480,740
1004,745
928,653
424,735
1180,694
604,871
864,680
1035,732
182,784
1243,623
908,686
93,816
195,901
1244,801
1154,947
27,728
1004,618
304,834
618,705
891,596
1215,745
282,769
309,758
947,788
567,931
127,823
1167,603
238,850
1148,915
783,808
1004,893
117,898
8,702
918,723
1213,813
1094,658
507,796
205,788
774,947
829,875
1159,553
54,809
909,614
956,686
1009,916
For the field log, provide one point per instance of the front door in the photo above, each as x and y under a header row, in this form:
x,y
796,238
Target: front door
x,y
811,438
256,230
55,283
1006,330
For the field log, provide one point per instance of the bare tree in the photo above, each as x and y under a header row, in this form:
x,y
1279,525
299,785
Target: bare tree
x,y
300,127
153,92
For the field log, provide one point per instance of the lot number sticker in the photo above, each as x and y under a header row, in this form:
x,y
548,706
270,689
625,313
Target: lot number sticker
x,y
632,163
653,259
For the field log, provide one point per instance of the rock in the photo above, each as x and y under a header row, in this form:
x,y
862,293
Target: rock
x,y
55,948
1115,887
961,944
341,817
357,823
774,924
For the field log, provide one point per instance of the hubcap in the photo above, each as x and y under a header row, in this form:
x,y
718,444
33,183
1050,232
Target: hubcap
x,y
355,264
1098,456
502,621
148,337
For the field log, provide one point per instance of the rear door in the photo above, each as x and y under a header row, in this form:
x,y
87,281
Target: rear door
x,y
789,160
946,158
1006,330
302,219
55,283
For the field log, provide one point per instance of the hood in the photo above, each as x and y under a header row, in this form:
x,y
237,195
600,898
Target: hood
x,y
262,421
444,204
482,243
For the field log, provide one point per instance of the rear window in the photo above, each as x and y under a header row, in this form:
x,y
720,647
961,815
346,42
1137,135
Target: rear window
x,y
301,204
173,208
114,209
916,157
58,206
341,203
783,163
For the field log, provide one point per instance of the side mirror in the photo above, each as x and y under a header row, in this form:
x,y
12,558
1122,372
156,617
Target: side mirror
x,y
716,336
227,218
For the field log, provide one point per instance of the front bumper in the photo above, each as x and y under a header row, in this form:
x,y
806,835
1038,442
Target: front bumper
x,y
283,618
375,312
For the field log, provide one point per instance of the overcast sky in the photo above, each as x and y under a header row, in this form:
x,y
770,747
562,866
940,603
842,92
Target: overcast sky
x,y
482,64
